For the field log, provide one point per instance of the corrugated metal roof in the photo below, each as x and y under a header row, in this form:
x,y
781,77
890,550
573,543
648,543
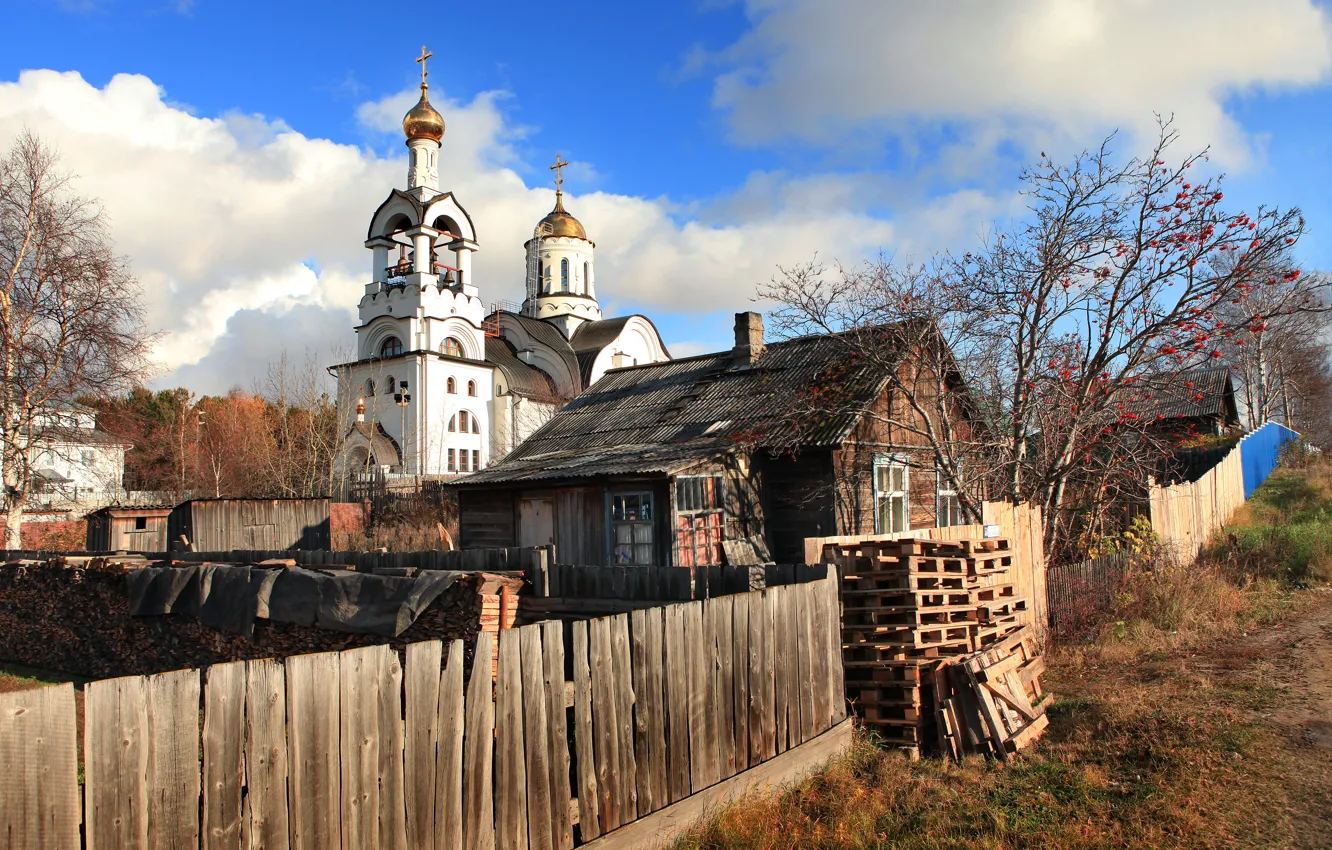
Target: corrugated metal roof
x,y
647,418
1183,395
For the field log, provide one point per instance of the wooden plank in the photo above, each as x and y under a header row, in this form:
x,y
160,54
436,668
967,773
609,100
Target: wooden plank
x,y
724,707
552,656
116,762
479,750
173,759
821,706
510,759
589,808
604,723
536,739
804,601
772,645
392,793
39,790
313,720
702,698
650,710
663,828
266,819
223,756
836,672
675,682
358,676
448,815
740,666
623,684
783,666
422,681
757,672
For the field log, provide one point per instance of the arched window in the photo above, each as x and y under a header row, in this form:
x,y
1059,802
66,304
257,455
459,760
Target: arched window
x,y
564,275
392,347
587,278
369,386
471,388
462,420
541,272
452,386
452,347
390,385
476,425
453,423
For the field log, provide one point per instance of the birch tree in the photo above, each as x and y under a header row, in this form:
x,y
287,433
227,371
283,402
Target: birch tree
x,y
71,322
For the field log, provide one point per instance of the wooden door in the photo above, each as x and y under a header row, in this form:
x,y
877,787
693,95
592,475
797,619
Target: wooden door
x,y
536,522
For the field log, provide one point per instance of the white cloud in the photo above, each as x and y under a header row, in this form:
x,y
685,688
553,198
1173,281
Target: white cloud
x,y
247,235
1047,72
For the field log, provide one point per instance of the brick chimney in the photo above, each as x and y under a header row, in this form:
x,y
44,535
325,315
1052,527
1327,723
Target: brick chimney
x,y
748,339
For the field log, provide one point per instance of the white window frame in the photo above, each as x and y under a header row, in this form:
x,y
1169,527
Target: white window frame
x,y
943,491
890,462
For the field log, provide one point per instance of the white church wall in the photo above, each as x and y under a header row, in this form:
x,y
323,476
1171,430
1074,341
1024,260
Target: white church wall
x,y
636,345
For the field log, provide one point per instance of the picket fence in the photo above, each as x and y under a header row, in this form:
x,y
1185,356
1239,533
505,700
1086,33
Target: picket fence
x,y
1185,515
1079,593
593,726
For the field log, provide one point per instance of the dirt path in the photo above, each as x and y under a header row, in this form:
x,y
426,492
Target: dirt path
x,y
1301,664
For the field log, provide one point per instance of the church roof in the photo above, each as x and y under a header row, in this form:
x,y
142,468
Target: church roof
x,y
549,336
590,338
665,416
523,379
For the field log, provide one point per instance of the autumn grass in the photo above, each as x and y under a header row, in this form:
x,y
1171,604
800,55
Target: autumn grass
x,y
1156,738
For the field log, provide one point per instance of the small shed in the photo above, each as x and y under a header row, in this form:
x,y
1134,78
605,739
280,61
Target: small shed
x,y
219,525
129,529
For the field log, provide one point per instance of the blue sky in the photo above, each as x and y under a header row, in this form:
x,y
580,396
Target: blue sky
x,y
240,147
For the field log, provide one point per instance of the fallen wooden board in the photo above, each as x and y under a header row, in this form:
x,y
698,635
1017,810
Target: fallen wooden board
x,y
661,828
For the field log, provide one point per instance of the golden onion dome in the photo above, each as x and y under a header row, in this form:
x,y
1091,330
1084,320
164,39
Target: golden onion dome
x,y
422,121
558,222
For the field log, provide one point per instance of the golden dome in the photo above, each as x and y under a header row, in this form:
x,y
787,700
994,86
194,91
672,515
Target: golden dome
x,y
560,223
422,121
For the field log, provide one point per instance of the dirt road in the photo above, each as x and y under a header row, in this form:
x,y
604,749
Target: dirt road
x,y
1300,662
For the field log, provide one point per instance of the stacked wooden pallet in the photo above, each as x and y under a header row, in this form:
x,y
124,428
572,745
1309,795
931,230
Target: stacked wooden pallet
x,y
909,606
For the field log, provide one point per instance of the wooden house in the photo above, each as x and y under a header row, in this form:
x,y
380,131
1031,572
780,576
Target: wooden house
x,y
700,460
219,525
128,529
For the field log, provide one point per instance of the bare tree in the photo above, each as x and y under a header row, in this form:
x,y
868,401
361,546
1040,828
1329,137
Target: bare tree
x,y
1066,324
71,323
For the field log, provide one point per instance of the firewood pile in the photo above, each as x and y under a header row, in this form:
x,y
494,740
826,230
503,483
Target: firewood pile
x,y
922,623
72,615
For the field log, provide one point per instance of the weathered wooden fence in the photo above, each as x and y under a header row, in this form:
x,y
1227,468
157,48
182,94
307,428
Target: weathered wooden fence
x,y
1021,525
1079,592
356,749
1184,515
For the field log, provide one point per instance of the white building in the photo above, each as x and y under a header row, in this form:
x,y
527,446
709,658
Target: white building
x,y
443,385
72,462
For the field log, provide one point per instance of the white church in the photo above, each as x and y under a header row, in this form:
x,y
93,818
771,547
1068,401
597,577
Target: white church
x,y
443,385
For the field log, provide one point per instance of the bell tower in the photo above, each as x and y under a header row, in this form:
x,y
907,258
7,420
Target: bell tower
x,y
561,267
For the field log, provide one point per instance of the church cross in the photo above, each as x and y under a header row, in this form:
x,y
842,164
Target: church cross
x,y
558,168
425,54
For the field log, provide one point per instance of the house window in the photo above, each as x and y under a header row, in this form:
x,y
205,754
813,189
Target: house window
x,y
390,385
86,457
453,423
462,420
891,512
369,386
698,520
587,278
476,460
462,460
564,275
452,347
631,529
471,388
947,505
476,425
452,386
392,347
453,463
141,523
